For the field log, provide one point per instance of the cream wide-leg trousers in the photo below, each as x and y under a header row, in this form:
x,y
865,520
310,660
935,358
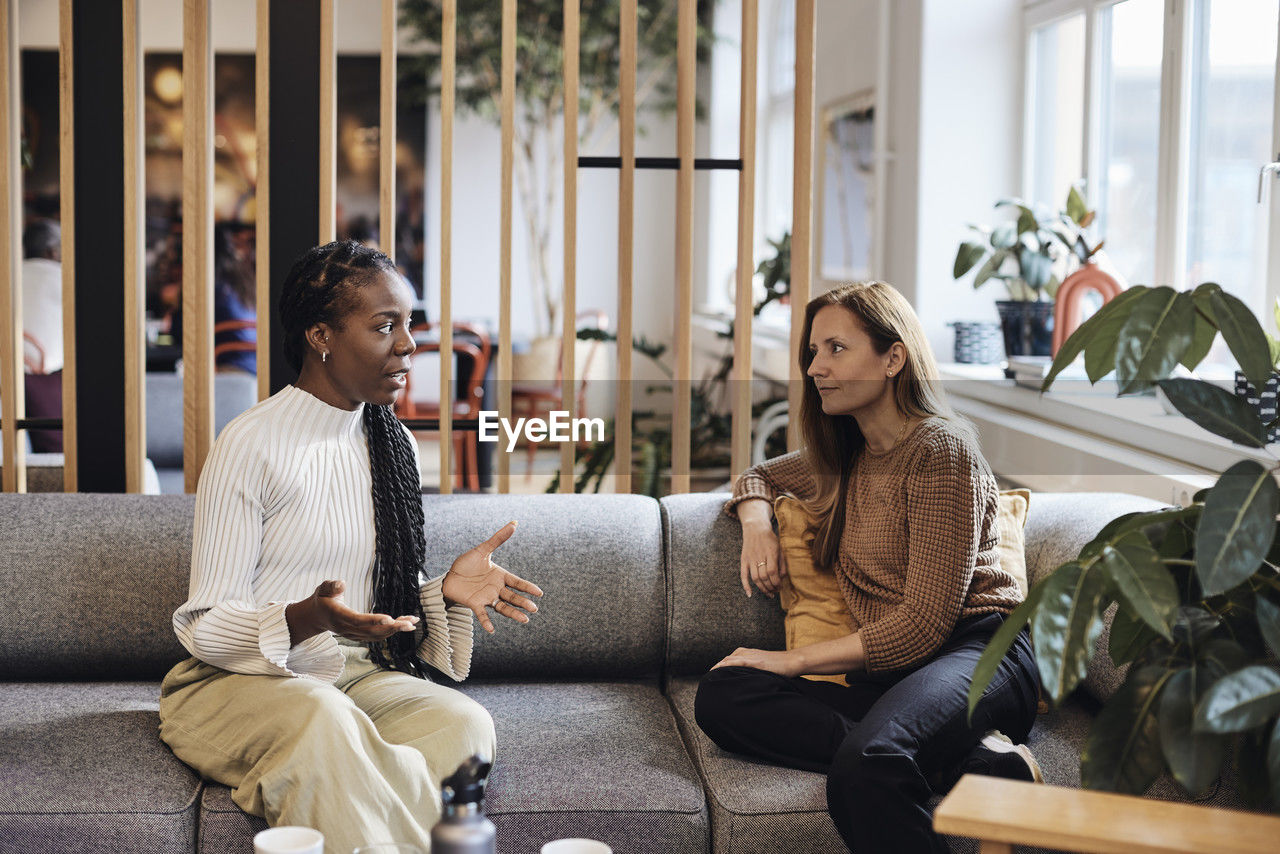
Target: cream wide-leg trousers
x,y
360,760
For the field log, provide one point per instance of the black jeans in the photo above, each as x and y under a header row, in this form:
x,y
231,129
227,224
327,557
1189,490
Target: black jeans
x,y
881,739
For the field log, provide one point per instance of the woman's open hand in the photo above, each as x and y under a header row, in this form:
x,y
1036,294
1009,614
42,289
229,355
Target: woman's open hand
x,y
325,611
476,581
782,663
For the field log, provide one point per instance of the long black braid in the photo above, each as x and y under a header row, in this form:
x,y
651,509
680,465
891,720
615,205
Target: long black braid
x,y
321,289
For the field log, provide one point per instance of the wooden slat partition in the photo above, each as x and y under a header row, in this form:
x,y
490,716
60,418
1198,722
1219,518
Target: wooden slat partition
x,y
686,69
197,238
802,206
740,442
135,287
66,179
11,388
626,233
504,230
448,77
328,124
568,304
262,196
387,133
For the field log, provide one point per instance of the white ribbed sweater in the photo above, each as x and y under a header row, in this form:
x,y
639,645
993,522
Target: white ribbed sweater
x,y
284,503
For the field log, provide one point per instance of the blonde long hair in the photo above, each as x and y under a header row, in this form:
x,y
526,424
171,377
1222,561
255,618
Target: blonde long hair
x,y
833,442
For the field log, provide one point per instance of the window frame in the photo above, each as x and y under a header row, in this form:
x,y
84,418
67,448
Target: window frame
x,y
1173,157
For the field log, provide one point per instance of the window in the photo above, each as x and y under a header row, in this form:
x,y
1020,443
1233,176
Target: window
x,y
1166,109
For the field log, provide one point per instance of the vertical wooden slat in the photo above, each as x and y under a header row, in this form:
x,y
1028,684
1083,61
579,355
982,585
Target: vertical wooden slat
x,y
802,207
741,432
135,354
11,389
448,73
504,230
197,238
387,134
686,68
262,196
880,142
568,305
328,124
626,232
66,191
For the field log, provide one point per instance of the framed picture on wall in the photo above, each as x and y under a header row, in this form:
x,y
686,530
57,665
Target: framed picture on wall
x,y
845,203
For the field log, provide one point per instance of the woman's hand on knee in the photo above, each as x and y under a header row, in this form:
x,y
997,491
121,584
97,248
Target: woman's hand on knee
x,y
325,611
477,582
783,663
763,562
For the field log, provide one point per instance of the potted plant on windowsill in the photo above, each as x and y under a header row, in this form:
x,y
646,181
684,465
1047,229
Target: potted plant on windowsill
x,y
1196,589
1031,255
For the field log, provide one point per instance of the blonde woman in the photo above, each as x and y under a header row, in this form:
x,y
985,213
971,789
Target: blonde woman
x,y
907,522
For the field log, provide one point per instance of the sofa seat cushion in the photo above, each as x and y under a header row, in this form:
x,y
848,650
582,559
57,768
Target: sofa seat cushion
x,y
223,825
84,770
602,760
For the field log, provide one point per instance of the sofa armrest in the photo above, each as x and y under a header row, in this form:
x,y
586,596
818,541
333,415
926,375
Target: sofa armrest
x,y
1002,813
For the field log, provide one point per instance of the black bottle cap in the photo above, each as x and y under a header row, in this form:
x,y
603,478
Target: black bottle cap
x,y
466,785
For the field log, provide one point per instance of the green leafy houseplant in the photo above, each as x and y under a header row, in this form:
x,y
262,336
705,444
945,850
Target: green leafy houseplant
x,y
1196,589
1032,254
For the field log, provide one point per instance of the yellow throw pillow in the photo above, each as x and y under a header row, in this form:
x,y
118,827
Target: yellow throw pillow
x,y
810,596
1012,516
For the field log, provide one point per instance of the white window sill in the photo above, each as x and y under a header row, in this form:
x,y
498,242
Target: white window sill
x,y
1078,437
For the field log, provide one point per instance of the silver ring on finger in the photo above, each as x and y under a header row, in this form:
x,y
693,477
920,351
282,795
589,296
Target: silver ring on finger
x,y
762,563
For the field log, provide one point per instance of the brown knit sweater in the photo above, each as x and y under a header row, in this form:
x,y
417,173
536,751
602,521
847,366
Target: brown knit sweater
x,y
918,551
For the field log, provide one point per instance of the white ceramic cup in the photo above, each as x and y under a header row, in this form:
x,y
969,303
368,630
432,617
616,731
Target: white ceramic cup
x,y
289,840
576,846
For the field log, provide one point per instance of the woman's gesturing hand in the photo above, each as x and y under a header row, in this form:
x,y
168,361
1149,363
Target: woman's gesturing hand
x,y
324,611
782,663
476,581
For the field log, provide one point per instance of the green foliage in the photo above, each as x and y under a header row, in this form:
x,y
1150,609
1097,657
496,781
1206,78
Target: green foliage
x,y
1195,590
1031,254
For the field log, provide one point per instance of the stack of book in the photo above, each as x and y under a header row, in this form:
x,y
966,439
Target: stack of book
x,y
1030,371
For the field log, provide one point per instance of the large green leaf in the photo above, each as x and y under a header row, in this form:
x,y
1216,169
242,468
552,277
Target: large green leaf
x,y
1195,758
1153,339
999,645
1130,636
1036,267
1202,337
1269,625
1237,526
1216,410
1127,522
1076,208
1240,701
970,253
1092,334
1251,767
1066,626
1141,580
990,267
1244,335
1100,355
1123,751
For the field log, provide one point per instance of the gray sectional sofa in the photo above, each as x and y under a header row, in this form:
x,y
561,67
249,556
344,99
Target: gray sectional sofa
x,y
593,700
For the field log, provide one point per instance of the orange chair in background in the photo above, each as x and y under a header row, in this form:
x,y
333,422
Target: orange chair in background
x,y
537,400
466,405
234,346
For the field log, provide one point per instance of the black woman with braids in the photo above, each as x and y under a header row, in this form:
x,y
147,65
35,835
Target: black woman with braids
x,y
311,622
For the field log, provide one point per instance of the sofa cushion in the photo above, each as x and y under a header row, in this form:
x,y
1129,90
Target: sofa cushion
x,y
90,583
602,760
709,616
84,770
598,558
223,825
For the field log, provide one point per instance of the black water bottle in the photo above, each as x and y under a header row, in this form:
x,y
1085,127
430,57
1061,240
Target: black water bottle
x,y
462,828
